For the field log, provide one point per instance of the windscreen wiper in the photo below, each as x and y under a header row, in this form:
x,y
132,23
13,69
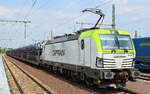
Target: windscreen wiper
x,y
125,50
116,44
113,51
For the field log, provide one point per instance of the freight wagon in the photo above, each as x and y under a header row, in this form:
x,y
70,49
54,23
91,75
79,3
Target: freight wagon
x,y
142,60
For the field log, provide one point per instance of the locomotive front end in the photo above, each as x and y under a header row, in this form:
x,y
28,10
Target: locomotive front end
x,y
115,55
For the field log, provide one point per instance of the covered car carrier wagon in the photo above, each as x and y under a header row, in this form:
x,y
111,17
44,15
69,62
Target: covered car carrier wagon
x,y
142,46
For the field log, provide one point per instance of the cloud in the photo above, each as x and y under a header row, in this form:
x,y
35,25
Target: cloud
x,y
67,12
125,1
71,5
121,2
5,11
127,9
62,15
60,19
135,13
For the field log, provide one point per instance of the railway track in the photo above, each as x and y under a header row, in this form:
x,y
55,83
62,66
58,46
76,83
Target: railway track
x,y
113,91
145,77
33,83
18,87
96,90
128,91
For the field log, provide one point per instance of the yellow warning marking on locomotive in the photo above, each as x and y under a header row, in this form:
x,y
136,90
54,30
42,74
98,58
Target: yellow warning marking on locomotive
x,y
145,44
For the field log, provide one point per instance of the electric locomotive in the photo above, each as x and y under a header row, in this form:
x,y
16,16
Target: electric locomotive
x,y
104,57
96,55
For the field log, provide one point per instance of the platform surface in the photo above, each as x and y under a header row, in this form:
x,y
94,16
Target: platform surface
x,y
4,88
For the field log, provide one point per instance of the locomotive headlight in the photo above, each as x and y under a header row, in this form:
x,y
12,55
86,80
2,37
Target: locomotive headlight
x,y
99,62
108,75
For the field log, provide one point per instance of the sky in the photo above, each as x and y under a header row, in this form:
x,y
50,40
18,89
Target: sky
x,y
61,16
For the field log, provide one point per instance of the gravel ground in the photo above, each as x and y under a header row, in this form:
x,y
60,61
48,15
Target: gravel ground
x,y
58,85
28,85
142,87
64,87
12,84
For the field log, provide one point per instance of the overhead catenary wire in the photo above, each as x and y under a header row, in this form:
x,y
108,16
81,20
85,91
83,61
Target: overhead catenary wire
x,y
17,21
19,14
28,13
136,12
72,19
62,24
107,2
43,4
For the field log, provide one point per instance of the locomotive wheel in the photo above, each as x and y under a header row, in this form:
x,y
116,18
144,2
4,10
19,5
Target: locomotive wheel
x,y
89,81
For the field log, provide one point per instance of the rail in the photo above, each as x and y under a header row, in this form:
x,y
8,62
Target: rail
x,y
39,83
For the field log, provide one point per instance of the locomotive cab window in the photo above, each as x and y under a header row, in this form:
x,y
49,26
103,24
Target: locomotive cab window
x,y
116,42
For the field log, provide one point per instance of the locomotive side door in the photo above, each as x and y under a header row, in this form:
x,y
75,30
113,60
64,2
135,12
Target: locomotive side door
x,y
81,47
85,51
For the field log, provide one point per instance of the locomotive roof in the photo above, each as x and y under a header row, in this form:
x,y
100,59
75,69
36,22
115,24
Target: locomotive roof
x,y
103,31
85,33
79,34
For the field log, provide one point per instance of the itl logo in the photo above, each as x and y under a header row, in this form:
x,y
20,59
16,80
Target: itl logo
x,y
58,52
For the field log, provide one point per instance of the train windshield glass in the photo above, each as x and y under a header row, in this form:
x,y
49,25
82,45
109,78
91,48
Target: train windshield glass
x,y
108,42
116,42
124,42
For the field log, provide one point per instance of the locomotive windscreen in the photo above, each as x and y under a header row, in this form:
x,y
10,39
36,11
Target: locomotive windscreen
x,y
116,41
